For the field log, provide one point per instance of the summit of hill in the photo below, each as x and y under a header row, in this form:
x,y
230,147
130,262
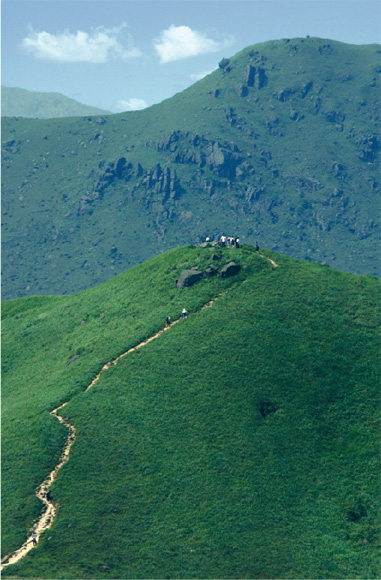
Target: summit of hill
x,y
279,144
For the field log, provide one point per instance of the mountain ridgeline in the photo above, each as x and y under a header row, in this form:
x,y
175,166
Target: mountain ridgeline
x,y
17,102
280,144
240,442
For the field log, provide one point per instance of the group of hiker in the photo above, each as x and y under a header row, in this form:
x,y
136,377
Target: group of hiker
x,y
184,314
229,241
224,241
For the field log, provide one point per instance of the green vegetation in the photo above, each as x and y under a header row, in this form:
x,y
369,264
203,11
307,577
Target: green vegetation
x,y
21,103
241,443
281,145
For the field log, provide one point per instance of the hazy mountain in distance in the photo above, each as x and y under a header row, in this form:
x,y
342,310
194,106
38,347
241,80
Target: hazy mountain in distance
x,y
38,105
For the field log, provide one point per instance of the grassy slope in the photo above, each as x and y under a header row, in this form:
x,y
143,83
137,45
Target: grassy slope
x,y
175,471
54,163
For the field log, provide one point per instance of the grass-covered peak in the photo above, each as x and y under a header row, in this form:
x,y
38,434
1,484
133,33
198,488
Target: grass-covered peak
x,y
241,443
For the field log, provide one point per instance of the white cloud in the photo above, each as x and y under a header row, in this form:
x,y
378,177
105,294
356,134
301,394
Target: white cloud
x,y
96,47
198,76
131,105
178,42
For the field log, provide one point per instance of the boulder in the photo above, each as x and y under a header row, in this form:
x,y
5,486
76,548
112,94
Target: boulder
x,y
188,277
224,63
230,269
73,358
212,269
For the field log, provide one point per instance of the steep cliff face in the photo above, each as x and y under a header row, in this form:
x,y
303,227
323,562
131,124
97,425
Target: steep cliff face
x,y
280,143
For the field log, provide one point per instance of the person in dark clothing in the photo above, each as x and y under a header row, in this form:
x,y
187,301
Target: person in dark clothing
x,y
168,320
34,539
256,247
237,242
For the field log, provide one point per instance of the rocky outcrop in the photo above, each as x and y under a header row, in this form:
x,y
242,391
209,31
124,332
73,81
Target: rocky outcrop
x,y
230,269
255,77
188,278
187,148
370,145
335,116
210,270
224,65
222,161
242,90
162,181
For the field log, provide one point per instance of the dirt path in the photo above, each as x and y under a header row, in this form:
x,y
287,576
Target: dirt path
x,y
46,519
269,260
48,515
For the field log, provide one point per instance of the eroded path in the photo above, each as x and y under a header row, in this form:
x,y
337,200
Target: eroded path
x,y
46,519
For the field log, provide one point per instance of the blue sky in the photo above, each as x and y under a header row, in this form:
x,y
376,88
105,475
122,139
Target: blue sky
x,y
127,54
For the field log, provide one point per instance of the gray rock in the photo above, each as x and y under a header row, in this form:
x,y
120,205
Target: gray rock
x,y
212,269
73,358
255,77
242,90
230,269
188,277
224,63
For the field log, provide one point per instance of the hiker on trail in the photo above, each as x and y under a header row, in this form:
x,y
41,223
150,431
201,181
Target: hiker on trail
x,y
256,247
184,313
237,242
34,539
223,240
168,320
231,241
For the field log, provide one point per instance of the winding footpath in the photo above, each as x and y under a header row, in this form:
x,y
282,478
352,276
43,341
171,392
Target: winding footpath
x,y
47,517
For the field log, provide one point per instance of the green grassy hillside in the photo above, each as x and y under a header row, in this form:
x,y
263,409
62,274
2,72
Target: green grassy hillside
x,y
240,443
17,102
281,144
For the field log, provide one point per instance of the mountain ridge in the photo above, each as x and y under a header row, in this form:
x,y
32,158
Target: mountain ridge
x,y
16,102
280,144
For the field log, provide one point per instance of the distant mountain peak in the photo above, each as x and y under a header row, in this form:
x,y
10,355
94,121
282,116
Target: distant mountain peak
x,y
17,102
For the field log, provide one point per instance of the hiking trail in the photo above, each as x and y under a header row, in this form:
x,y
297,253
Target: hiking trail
x,y
46,519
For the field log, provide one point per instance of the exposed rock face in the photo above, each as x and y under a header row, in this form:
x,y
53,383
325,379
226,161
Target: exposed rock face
x,y
157,181
255,77
189,277
223,161
241,90
335,116
230,269
224,64
162,181
370,145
